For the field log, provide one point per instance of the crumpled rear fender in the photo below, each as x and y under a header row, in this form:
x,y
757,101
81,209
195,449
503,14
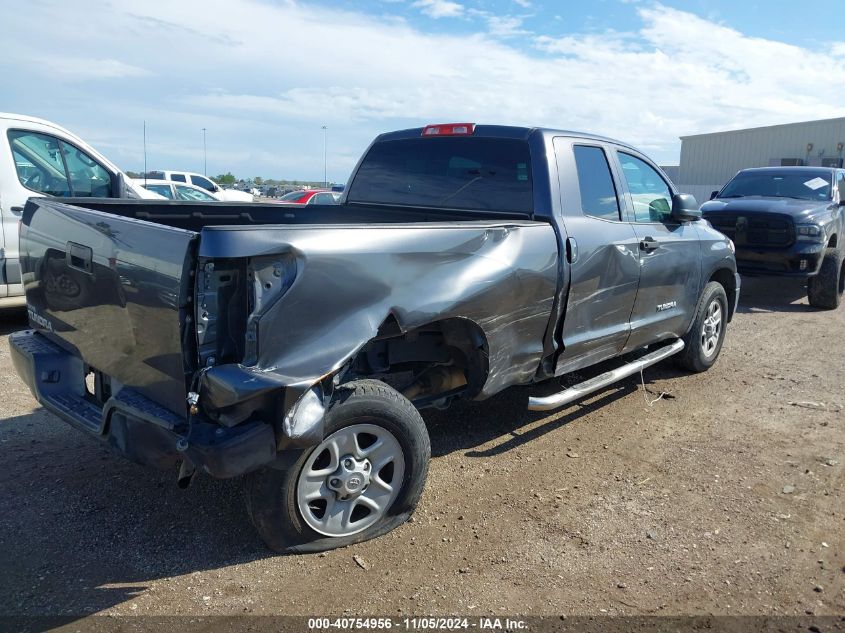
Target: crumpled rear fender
x,y
348,279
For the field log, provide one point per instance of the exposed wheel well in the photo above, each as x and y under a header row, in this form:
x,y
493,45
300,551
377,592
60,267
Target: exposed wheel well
x,y
429,364
728,281
833,242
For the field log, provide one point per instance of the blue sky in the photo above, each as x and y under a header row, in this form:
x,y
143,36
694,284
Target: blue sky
x,y
263,76
776,19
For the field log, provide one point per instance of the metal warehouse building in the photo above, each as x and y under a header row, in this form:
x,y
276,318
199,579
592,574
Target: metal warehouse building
x,y
708,161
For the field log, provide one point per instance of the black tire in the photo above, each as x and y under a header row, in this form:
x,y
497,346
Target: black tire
x,y
695,356
271,494
825,289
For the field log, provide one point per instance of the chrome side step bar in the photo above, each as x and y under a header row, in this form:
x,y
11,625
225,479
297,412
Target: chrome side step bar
x,y
561,398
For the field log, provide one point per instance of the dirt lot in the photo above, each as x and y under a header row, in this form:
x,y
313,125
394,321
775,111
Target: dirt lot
x,y
723,498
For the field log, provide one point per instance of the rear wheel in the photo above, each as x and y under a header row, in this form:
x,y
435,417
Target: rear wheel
x,y
364,479
704,340
825,289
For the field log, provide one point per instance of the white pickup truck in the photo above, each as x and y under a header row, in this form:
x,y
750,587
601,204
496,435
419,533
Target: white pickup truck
x,y
44,159
203,182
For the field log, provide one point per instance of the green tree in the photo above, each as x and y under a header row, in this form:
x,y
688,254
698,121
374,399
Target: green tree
x,y
133,174
258,180
225,179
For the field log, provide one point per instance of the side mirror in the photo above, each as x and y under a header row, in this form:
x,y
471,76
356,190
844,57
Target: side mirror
x,y
713,194
685,208
124,189
119,185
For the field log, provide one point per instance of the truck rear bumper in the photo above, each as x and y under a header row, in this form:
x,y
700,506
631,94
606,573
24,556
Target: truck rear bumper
x,y
131,423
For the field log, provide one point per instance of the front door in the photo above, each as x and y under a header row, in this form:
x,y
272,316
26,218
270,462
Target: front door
x,y
36,168
601,251
669,253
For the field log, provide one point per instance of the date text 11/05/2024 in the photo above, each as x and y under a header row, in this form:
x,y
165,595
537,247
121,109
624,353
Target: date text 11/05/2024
x,y
418,624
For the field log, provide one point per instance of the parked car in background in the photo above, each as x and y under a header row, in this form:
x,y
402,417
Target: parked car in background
x,y
177,190
311,196
787,221
40,158
198,180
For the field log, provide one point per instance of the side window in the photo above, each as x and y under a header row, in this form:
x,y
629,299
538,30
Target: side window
x,y
598,194
178,177
87,177
205,183
322,198
38,162
651,195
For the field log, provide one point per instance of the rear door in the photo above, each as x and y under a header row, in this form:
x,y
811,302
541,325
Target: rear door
x,y
112,289
602,253
669,255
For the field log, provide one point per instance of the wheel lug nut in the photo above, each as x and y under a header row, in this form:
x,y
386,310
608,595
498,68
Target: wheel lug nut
x,y
348,463
366,465
335,483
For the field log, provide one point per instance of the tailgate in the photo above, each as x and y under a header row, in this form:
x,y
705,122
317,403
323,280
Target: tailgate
x,y
113,290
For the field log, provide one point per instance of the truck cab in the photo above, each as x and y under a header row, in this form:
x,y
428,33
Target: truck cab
x,y
40,158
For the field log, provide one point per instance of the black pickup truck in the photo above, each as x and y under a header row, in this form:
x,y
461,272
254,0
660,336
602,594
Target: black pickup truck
x,y
296,345
787,221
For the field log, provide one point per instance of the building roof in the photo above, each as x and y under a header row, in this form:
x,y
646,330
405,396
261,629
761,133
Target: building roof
x,y
768,127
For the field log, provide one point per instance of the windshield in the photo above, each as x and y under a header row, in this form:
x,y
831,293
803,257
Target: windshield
x,y
801,184
184,192
448,172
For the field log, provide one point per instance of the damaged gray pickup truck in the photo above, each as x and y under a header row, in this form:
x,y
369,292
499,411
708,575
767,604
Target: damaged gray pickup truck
x,y
295,346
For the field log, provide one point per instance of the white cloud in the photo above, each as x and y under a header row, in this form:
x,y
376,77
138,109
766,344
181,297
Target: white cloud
x,y
264,77
503,26
84,68
440,8
525,4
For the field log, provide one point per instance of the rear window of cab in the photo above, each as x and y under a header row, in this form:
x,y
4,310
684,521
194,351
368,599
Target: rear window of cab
x,y
472,173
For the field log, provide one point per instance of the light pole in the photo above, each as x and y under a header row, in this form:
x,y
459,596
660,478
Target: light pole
x,y
204,163
325,163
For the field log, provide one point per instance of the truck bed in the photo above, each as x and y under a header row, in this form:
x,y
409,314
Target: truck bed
x,y
194,216
147,292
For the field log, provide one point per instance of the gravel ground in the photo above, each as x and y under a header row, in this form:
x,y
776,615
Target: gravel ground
x,y
723,497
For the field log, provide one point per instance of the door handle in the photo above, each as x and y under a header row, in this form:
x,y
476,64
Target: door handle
x,y
571,250
648,244
16,210
80,257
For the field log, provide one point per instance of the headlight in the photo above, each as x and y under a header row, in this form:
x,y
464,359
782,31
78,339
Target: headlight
x,y
810,232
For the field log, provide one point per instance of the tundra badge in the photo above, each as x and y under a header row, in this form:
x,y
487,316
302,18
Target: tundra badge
x,y
39,320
